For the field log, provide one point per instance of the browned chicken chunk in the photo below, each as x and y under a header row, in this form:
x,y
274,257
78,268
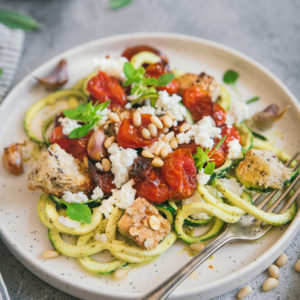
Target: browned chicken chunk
x,y
143,223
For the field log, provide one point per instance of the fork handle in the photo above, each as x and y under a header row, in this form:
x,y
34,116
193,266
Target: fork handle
x,y
165,288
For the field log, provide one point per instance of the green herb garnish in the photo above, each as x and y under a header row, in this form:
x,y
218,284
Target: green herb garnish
x,y
116,4
254,99
140,83
78,212
86,113
17,20
259,136
230,77
202,157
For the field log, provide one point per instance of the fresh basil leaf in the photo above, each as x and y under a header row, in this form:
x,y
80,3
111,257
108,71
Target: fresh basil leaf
x,y
230,77
17,20
81,131
129,70
209,168
254,99
165,79
151,81
79,212
116,4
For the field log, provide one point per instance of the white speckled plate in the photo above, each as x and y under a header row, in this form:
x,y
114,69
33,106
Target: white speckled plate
x,y
231,266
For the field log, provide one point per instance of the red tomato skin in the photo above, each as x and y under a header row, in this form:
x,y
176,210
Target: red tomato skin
x,y
218,156
158,69
231,134
103,87
131,51
149,183
179,172
199,103
75,147
130,136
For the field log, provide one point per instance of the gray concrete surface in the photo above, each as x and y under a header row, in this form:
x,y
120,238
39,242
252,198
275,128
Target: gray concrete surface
x,y
266,30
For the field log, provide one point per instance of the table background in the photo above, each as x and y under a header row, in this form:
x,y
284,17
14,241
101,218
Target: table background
x,y
266,30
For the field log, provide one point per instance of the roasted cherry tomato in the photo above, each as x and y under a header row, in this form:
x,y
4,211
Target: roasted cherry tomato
x,y
199,103
103,87
149,183
131,51
76,147
130,136
158,69
192,146
218,156
231,133
179,172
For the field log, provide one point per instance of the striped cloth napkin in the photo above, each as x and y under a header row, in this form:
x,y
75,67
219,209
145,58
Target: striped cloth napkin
x,y
11,46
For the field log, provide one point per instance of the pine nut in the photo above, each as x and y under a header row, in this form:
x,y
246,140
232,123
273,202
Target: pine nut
x,y
124,114
297,266
137,118
147,154
270,284
120,274
281,260
173,143
47,254
145,133
86,162
114,117
170,114
106,164
167,121
158,148
108,142
167,138
165,130
153,129
244,292
274,271
184,127
164,151
157,162
156,121
197,246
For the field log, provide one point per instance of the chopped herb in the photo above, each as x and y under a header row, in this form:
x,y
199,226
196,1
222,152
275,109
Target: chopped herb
x,y
140,83
259,136
17,20
230,77
87,113
78,212
254,99
116,4
202,157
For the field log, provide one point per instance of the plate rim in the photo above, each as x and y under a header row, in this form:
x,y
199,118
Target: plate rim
x,y
252,268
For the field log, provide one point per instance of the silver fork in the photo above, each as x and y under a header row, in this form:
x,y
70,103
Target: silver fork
x,y
246,229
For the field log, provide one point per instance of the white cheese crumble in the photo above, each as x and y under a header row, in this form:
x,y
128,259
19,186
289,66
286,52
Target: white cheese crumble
x,y
203,132
146,110
68,125
234,149
122,198
121,159
99,166
97,193
101,237
66,221
165,102
113,67
202,178
79,197
128,105
239,111
232,185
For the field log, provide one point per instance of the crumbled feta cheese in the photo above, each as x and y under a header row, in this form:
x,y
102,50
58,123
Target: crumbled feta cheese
x,y
99,166
122,198
121,159
232,185
165,102
113,67
147,110
239,111
202,178
234,149
97,193
66,221
128,105
183,138
79,197
68,125
101,237
104,117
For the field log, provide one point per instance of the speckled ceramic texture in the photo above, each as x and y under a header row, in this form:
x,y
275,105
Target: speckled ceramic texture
x,y
227,269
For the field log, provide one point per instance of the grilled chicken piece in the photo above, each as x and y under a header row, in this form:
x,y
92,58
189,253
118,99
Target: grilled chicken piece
x,y
142,223
57,171
203,80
